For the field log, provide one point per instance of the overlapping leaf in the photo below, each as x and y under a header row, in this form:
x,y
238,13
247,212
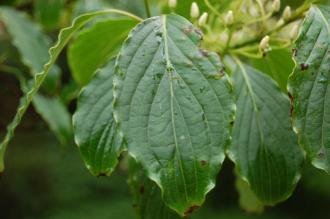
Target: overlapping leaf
x,y
264,146
95,129
174,106
310,86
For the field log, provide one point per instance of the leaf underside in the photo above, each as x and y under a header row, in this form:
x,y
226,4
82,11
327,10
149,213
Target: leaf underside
x,y
309,86
94,127
264,146
174,106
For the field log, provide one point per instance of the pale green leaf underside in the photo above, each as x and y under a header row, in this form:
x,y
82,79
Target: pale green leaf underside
x,y
148,202
264,146
94,127
64,36
174,106
310,86
95,46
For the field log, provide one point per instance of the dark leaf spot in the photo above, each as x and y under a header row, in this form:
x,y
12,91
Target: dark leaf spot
x,y
291,104
203,162
188,29
204,52
191,210
304,66
101,174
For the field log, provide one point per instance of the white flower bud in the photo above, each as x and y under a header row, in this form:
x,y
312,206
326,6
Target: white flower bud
x,y
287,13
194,10
276,6
229,18
294,32
172,3
203,19
264,43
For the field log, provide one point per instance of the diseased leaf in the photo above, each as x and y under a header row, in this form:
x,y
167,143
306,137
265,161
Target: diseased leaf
x,y
95,46
31,42
278,64
95,130
310,86
174,106
264,146
148,202
63,38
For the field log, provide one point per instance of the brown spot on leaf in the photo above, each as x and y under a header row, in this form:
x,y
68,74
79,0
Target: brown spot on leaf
x,y
203,162
191,210
304,66
321,155
101,174
231,123
199,33
291,104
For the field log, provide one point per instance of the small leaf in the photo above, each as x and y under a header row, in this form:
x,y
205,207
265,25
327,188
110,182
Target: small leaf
x,y
95,129
310,86
174,106
63,38
264,146
93,47
278,64
148,202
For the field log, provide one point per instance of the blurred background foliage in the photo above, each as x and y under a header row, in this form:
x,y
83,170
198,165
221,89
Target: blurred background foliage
x,y
46,178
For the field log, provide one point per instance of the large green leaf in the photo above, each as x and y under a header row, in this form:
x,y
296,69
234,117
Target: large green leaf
x,y
63,38
148,202
31,43
174,106
278,64
95,129
264,146
309,85
94,46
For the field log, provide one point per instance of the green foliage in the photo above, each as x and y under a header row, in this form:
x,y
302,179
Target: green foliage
x,y
154,91
168,97
309,85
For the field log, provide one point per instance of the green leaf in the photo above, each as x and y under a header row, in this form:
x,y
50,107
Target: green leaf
x,y
48,12
278,64
95,46
309,86
264,146
247,199
95,130
148,202
31,42
54,112
63,38
174,106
